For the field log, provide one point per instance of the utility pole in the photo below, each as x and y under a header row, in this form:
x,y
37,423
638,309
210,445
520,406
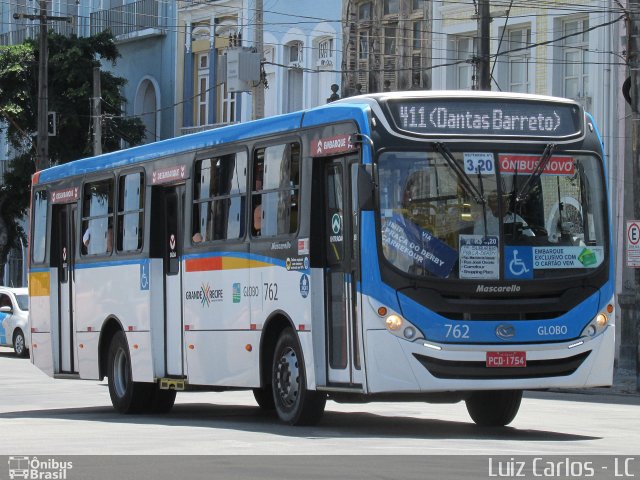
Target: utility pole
x,y
258,90
633,306
42,160
43,92
97,112
483,64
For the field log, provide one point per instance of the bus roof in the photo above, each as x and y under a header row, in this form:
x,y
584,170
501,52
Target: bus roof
x,y
455,94
207,139
351,108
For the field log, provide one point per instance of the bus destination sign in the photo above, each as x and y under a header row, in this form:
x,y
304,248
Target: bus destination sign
x,y
498,118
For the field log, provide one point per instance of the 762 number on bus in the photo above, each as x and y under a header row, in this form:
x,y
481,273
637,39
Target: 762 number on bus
x,y
457,331
270,291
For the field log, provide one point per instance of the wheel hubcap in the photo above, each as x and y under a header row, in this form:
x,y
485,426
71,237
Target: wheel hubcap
x,y
287,378
120,373
19,348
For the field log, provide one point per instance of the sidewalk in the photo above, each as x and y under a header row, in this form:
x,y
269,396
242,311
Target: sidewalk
x,y
624,383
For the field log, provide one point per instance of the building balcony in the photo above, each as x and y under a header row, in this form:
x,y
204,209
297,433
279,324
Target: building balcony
x,y
133,20
20,34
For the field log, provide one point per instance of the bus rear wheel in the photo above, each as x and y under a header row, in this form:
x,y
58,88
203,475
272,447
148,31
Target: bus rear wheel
x,y
494,408
294,403
126,395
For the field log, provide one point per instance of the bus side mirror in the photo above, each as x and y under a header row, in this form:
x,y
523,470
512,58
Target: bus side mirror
x,y
365,188
6,309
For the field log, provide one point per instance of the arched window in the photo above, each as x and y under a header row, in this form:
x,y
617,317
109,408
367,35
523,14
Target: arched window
x,y
146,107
293,83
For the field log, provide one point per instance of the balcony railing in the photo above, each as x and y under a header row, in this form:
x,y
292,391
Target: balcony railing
x,y
20,34
130,18
202,128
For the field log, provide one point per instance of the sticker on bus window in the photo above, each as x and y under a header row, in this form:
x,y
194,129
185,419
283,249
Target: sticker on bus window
x,y
479,257
567,257
419,246
518,263
478,162
527,164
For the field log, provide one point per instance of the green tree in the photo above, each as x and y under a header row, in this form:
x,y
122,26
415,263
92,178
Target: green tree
x,y
71,63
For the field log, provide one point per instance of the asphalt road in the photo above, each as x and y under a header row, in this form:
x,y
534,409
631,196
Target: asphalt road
x,y
40,415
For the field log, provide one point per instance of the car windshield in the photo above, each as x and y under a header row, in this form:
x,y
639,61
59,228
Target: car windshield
x,y
495,216
23,302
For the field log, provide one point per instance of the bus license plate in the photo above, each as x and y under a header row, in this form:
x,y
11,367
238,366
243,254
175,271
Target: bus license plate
x,y
506,359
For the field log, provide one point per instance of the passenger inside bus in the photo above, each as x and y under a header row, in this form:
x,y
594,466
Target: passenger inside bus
x,y
495,204
86,241
257,201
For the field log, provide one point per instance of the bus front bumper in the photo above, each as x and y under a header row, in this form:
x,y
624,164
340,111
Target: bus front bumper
x,y
396,365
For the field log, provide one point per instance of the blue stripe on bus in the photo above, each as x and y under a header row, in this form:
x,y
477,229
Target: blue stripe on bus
x,y
434,326
174,146
110,263
249,256
443,330
372,284
608,289
40,269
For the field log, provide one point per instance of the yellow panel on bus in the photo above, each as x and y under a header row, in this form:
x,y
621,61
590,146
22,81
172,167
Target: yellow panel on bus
x,y
39,284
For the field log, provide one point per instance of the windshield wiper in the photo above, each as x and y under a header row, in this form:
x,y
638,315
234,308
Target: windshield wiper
x,y
465,181
484,204
537,171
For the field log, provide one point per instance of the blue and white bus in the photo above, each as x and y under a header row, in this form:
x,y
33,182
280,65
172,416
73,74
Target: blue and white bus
x,y
416,246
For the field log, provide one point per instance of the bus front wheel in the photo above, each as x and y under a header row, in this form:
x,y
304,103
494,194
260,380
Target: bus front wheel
x,y
126,395
295,404
264,398
494,408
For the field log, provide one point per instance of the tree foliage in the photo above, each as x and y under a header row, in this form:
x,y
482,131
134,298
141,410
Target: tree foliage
x,y
71,63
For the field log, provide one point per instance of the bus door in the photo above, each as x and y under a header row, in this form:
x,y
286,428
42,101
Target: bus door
x,y
62,258
168,213
341,273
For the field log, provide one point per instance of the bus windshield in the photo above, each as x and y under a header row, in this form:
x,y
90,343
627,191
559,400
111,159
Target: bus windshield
x,y
538,215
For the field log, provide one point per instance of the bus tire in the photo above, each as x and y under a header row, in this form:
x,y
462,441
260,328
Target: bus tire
x,y
264,398
20,344
494,408
126,395
162,400
294,403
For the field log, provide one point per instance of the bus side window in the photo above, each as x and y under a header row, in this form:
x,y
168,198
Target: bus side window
x,y
39,235
130,212
219,198
97,218
276,188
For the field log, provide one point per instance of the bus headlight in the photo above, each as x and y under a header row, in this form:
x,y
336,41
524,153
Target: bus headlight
x,y
402,328
600,321
393,322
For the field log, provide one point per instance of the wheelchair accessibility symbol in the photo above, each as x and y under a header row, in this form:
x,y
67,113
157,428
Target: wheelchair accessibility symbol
x,y
518,263
144,276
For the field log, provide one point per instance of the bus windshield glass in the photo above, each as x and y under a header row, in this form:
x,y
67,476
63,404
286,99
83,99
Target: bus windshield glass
x,y
538,215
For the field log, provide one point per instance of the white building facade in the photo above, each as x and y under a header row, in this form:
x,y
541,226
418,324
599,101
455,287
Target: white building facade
x,y
301,52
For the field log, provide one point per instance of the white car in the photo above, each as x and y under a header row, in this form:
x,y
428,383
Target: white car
x,y
14,320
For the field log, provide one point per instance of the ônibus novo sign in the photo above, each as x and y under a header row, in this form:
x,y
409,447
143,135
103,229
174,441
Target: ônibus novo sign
x,y
526,165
